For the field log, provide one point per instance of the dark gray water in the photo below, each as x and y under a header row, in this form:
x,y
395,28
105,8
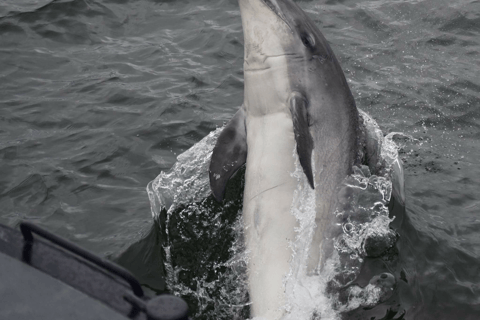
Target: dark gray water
x,y
97,97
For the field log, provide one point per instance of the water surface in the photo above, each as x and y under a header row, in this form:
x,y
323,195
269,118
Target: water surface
x,y
100,96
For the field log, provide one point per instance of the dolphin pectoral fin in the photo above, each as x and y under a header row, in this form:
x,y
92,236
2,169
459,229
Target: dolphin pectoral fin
x,y
229,154
373,141
398,182
303,138
373,149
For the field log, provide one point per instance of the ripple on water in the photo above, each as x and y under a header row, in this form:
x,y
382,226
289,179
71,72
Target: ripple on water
x,y
99,96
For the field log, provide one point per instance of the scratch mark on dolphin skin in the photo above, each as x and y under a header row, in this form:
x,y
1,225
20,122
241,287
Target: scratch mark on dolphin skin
x,y
281,184
277,56
258,69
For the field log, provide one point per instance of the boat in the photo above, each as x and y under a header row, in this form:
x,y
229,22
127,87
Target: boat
x,y
44,276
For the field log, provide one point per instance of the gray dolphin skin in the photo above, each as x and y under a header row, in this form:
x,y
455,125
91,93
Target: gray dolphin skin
x,y
296,97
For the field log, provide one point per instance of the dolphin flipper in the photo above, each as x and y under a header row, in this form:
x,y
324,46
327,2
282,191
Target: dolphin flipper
x,y
398,182
303,138
373,147
373,141
229,154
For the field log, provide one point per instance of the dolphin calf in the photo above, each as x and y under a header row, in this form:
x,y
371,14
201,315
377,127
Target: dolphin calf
x,y
296,98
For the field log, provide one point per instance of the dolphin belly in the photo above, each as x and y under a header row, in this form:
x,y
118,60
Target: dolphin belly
x,y
269,225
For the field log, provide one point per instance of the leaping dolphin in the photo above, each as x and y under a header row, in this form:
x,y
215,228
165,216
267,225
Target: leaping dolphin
x,y
296,97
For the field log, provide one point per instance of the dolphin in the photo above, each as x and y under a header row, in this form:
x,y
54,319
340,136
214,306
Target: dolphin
x,y
296,98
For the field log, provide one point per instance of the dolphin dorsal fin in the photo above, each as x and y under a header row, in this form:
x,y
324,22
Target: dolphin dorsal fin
x,y
303,138
229,154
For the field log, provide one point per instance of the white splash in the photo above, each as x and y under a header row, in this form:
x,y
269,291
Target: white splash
x,y
305,294
187,182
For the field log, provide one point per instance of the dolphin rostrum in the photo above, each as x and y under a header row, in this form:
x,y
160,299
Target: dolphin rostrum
x,y
296,98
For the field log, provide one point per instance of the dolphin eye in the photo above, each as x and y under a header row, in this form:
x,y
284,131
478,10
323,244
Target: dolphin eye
x,y
307,40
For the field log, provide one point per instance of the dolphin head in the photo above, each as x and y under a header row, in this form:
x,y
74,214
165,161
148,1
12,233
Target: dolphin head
x,y
276,28
285,50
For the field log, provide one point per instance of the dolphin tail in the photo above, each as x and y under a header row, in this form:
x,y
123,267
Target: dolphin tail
x,y
229,154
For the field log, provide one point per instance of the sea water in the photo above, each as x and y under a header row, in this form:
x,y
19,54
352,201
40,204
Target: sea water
x,y
100,96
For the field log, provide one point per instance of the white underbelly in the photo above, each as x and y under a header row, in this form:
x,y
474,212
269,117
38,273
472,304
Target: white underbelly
x,y
269,222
